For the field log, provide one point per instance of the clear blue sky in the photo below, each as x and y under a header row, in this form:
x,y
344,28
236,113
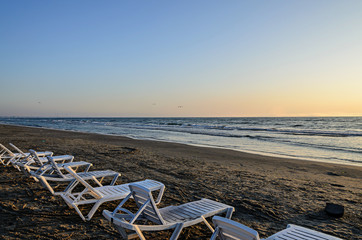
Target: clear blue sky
x,y
185,58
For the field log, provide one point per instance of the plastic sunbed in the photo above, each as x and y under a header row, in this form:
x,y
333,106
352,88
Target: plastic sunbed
x,y
102,194
54,174
7,156
227,229
35,162
171,217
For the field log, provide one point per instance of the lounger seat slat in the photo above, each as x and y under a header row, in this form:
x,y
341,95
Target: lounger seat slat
x,y
190,212
119,191
105,191
208,203
185,212
194,209
151,184
112,190
200,206
102,173
179,211
109,192
300,233
74,164
177,217
199,209
203,205
295,235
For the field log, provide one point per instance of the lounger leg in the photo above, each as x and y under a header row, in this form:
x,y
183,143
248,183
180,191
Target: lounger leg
x,y
121,231
93,210
70,205
79,212
45,183
126,235
214,235
138,231
71,185
89,166
101,180
229,213
160,194
207,224
96,181
35,179
177,231
17,167
26,171
10,161
114,180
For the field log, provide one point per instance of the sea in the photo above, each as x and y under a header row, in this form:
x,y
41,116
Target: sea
x,y
324,139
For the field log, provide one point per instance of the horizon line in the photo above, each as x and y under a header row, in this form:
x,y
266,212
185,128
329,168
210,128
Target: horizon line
x,y
306,116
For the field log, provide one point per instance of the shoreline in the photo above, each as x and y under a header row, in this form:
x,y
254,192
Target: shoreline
x,y
262,154
267,192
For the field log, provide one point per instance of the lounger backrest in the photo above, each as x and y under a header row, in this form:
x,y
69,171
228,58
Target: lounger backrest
x,y
227,229
17,149
55,166
141,195
5,150
297,232
35,157
83,182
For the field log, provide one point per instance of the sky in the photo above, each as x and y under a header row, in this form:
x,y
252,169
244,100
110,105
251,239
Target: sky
x,y
180,58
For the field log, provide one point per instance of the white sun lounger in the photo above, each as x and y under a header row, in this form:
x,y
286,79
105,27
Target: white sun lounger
x,y
54,173
102,194
227,229
27,158
7,156
35,162
171,217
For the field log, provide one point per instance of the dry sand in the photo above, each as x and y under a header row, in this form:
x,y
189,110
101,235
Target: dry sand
x,y
267,192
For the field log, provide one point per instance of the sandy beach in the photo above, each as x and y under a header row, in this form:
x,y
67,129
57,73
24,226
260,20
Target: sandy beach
x,y
267,192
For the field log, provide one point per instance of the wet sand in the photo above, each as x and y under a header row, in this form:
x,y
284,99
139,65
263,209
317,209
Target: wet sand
x,y
267,192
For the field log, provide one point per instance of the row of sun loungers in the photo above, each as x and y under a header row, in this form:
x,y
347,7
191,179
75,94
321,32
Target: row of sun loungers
x,y
81,186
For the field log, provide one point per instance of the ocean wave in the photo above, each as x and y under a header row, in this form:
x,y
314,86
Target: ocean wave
x,y
257,137
328,138
236,134
274,130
